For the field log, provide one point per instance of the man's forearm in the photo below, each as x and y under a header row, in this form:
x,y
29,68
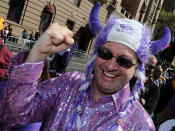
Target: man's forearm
x,y
31,56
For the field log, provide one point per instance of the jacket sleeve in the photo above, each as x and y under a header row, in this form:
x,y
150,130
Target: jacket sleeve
x,y
25,100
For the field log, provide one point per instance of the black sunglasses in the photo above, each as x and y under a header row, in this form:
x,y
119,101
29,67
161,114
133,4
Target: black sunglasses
x,y
121,61
151,67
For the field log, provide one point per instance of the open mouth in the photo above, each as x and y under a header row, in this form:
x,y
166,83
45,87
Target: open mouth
x,y
109,75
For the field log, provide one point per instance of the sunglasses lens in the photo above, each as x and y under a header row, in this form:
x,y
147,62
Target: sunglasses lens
x,y
123,62
151,67
104,54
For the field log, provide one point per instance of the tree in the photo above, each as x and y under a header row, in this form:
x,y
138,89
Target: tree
x,y
165,19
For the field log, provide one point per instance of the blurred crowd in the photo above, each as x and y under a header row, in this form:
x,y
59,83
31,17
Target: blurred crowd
x,y
159,89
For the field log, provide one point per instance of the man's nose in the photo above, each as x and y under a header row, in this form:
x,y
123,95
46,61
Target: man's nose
x,y
111,64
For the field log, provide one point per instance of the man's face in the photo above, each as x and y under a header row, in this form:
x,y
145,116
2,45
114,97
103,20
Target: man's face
x,y
109,76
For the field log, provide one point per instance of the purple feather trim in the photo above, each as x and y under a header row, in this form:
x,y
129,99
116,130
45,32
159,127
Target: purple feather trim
x,y
142,53
139,83
89,67
143,50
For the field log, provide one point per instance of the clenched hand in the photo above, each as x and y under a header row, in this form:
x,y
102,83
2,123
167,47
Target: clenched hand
x,y
55,39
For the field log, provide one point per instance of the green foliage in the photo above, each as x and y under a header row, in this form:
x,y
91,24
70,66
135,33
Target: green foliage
x,y
166,19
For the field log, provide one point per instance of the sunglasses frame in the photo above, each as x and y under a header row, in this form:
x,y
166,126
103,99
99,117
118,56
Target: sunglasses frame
x,y
117,58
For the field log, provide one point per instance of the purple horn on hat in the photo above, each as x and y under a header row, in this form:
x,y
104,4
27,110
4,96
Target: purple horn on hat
x,y
162,43
94,22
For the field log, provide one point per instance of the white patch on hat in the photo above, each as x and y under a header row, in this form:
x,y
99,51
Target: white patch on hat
x,y
127,32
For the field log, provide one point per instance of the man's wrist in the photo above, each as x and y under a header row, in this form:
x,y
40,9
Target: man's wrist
x,y
34,57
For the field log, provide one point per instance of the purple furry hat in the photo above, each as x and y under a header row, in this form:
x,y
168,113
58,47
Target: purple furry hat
x,y
130,33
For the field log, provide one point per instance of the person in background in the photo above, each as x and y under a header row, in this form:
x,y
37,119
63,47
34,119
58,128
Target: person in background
x,y
5,57
150,96
83,101
152,61
150,66
8,31
165,74
37,35
166,115
1,25
152,92
25,34
60,62
32,38
167,91
9,27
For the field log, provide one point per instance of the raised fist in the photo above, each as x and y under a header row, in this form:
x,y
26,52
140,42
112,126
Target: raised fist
x,y
55,39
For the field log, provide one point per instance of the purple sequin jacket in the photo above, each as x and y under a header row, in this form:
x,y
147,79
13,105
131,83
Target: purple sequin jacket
x,y
27,101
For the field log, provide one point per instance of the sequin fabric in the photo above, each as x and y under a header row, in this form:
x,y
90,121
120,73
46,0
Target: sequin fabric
x,y
26,101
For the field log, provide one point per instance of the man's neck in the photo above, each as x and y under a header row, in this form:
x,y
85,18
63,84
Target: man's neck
x,y
97,94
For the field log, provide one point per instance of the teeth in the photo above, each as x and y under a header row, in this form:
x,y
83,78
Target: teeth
x,y
109,75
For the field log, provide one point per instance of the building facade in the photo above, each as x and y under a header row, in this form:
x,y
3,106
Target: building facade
x,y
74,14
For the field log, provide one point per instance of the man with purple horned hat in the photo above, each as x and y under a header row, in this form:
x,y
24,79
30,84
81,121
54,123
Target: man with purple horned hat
x,y
78,101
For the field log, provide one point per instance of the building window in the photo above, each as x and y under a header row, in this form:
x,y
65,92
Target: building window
x,y
92,1
113,2
70,24
143,9
130,17
153,11
76,2
15,10
123,11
